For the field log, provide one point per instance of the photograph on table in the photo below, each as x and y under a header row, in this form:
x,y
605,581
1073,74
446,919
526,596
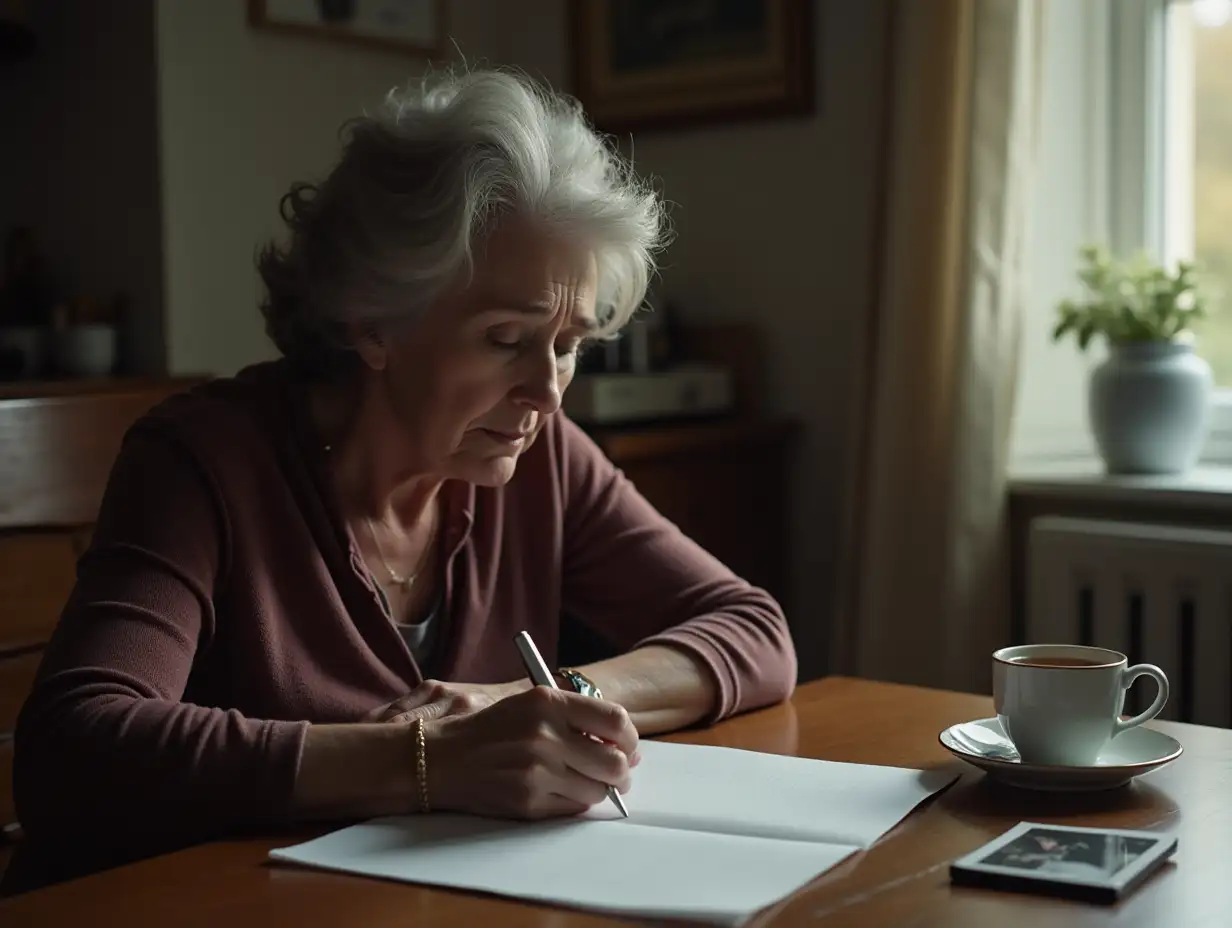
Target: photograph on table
x,y
1092,864
1052,850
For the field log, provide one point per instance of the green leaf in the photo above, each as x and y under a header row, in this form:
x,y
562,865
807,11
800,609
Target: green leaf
x,y
1135,300
1085,333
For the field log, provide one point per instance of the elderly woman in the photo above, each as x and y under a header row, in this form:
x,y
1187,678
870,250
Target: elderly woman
x,y
287,561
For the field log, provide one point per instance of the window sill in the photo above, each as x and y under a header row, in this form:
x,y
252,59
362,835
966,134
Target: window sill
x,y
1208,486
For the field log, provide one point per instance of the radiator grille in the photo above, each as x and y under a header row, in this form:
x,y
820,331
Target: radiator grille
x,y
1160,594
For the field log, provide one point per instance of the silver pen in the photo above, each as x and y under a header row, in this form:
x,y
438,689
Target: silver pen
x,y
539,674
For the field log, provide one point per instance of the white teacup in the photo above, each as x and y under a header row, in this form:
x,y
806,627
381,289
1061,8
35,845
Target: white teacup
x,y
1061,703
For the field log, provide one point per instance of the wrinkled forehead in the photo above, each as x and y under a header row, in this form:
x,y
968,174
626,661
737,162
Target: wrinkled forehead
x,y
525,261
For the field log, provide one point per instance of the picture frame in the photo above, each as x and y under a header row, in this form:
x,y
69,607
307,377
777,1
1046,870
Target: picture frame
x,y
654,64
1101,865
415,27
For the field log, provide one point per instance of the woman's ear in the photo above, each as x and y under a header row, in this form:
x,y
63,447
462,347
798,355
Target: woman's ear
x,y
370,344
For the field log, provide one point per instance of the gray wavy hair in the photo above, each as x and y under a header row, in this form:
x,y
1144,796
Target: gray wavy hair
x,y
419,184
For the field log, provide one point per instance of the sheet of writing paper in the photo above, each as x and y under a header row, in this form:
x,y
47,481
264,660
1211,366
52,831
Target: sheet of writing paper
x,y
768,795
714,834
625,870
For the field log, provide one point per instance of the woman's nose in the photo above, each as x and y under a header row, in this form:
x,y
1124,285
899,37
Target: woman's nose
x,y
541,389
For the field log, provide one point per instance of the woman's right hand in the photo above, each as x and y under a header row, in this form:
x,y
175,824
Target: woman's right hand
x,y
532,755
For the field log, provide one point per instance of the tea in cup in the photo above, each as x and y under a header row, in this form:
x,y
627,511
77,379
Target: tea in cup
x,y
1061,704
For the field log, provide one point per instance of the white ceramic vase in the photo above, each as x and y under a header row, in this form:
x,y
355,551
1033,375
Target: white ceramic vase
x,y
1149,407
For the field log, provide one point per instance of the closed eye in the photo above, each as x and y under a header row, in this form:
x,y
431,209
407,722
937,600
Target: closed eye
x,y
504,336
510,338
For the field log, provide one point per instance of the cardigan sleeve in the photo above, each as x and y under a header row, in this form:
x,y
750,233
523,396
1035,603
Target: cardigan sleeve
x,y
636,579
105,746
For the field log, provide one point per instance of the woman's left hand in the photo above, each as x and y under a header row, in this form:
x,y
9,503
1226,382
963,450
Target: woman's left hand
x,y
433,699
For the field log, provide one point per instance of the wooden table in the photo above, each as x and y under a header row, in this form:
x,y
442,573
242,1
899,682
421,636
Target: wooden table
x,y
902,881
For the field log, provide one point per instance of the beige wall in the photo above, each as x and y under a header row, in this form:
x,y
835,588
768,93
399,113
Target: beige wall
x,y
775,225
243,113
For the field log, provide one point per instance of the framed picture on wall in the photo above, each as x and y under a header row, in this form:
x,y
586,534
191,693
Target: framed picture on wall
x,y
412,26
641,64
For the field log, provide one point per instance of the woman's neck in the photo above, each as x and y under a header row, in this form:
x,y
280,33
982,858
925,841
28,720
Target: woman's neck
x,y
369,454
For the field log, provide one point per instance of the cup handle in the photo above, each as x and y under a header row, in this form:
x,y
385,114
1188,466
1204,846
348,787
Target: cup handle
x,y
1128,676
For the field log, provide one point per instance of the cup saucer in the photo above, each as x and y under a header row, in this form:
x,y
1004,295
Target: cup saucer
x,y
983,744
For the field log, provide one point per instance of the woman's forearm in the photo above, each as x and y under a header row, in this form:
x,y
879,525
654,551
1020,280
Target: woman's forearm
x,y
661,688
355,771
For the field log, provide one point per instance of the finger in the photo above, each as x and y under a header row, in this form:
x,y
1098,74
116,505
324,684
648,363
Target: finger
x,y
552,790
595,760
556,806
426,692
461,703
391,711
433,710
598,717
386,712
577,788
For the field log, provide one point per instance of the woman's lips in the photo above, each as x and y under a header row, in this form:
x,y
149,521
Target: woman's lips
x,y
512,439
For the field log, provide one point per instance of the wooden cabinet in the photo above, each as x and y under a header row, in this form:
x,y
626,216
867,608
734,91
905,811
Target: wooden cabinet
x,y
724,483
57,445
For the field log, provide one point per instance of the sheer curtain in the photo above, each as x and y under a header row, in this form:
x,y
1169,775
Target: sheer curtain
x,y
923,595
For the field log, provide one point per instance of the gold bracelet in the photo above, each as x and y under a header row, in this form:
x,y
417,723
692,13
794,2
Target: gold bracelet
x,y
421,765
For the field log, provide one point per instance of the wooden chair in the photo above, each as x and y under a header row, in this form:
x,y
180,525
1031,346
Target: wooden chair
x,y
57,446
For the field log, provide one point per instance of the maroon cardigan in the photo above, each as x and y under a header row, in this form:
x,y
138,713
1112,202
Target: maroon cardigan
x,y
222,607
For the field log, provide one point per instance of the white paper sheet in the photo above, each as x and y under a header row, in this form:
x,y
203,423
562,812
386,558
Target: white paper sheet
x,y
625,870
770,795
714,834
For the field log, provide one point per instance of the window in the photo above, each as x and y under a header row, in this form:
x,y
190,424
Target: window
x,y
1198,159
1193,84
1136,152
1171,158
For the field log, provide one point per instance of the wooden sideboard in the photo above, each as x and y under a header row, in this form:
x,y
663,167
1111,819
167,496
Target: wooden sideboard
x,y
723,482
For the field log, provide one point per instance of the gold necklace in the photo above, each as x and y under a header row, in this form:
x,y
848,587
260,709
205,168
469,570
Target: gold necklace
x,y
394,577
408,581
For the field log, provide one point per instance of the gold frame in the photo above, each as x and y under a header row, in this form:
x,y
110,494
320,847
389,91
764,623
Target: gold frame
x,y
777,83
258,18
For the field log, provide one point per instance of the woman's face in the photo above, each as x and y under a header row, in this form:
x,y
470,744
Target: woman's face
x,y
472,382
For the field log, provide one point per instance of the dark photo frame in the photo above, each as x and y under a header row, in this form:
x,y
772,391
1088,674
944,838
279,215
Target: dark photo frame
x,y
414,27
642,64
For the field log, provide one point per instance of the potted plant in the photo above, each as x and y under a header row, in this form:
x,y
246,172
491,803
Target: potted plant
x,y
1149,400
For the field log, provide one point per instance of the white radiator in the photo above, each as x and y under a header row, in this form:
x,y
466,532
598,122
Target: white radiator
x,y
1160,594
